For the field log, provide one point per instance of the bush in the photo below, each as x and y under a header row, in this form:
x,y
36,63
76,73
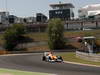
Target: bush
x,y
12,36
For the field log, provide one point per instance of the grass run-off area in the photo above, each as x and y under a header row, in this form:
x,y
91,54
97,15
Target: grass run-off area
x,y
16,72
42,36
70,56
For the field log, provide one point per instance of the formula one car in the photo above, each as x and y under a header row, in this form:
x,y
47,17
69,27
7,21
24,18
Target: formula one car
x,y
49,57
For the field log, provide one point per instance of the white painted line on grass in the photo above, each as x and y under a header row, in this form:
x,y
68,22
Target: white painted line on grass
x,y
22,71
5,74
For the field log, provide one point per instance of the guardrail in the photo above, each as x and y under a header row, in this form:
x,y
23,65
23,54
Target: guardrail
x,y
88,56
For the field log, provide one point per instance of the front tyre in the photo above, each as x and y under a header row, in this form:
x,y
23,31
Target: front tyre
x,y
59,57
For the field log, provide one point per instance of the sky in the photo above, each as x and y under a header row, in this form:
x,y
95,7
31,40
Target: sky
x,y
25,8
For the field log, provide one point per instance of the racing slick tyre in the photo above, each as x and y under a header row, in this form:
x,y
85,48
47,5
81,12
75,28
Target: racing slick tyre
x,y
43,58
59,57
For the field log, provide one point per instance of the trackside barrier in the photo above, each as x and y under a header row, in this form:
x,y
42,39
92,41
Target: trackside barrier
x,y
88,56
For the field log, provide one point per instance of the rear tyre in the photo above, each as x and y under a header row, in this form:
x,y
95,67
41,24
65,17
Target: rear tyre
x,y
43,58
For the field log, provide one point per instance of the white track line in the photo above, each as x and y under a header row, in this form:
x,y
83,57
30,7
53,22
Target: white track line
x,y
81,64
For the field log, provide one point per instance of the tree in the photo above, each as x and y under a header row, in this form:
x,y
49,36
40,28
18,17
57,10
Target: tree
x,y
55,34
19,28
12,36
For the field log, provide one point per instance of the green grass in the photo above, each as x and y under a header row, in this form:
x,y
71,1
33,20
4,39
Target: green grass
x,y
70,56
42,36
82,33
16,72
37,36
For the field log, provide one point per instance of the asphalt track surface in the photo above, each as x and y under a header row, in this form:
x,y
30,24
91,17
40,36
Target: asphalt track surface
x,y
33,63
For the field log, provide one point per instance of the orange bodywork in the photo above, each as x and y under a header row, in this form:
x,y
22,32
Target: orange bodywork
x,y
53,57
